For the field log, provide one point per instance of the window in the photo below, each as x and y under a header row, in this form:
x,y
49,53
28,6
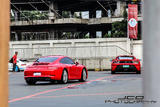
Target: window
x,y
99,34
47,59
125,58
66,60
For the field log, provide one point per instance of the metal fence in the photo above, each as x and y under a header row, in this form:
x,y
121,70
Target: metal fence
x,y
85,52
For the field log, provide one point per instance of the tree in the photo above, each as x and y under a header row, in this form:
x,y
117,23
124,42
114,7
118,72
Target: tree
x,y
65,14
119,29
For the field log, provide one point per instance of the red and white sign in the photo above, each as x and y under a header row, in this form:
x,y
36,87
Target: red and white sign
x,y
132,21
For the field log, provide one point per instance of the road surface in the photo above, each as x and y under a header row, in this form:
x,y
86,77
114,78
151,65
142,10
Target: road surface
x,y
100,90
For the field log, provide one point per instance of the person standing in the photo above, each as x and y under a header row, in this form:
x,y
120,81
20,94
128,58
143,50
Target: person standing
x,y
15,61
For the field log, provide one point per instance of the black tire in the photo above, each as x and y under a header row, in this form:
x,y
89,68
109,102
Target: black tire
x,y
64,78
112,72
83,75
138,72
30,82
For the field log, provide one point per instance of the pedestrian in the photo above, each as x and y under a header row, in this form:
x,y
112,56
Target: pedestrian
x,y
15,61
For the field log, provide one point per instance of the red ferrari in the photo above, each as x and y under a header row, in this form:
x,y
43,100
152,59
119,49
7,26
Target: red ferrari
x,y
50,68
126,64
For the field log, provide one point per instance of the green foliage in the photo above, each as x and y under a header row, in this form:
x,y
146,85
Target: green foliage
x,y
34,15
125,14
77,15
65,14
119,29
107,35
86,36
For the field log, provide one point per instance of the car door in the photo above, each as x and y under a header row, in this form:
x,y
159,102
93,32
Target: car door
x,y
73,67
69,67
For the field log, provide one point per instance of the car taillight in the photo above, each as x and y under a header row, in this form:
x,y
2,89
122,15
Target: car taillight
x,y
136,62
52,68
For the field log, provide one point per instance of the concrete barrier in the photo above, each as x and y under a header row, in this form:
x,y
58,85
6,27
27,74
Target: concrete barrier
x,y
94,53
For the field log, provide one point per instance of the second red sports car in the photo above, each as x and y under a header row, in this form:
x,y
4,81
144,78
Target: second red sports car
x,y
51,68
126,63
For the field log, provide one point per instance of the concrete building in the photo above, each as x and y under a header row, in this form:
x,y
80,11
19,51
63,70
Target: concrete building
x,y
63,19
76,28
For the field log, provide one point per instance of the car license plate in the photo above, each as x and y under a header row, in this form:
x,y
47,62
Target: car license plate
x,y
37,74
125,66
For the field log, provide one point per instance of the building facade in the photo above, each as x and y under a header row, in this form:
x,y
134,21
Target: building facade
x,y
67,19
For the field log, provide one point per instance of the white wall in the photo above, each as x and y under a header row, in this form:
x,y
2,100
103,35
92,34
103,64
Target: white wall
x,y
94,53
138,49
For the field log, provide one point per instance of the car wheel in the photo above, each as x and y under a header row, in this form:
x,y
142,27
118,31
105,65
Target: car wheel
x,y
112,72
64,78
138,72
83,75
30,82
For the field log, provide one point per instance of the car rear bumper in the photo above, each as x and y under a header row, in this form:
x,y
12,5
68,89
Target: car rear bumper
x,y
130,69
40,78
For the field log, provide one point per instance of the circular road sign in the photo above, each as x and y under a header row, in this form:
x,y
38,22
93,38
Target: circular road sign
x,y
132,22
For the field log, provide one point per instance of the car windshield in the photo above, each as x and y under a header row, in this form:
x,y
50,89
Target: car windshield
x,y
47,59
125,57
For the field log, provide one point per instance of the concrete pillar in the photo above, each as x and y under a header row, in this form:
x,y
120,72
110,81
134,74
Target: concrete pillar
x,y
17,14
92,14
51,35
15,37
72,14
151,52
104,32
104,13
19,36
92,34
55,34
120,8
52,8
73,44
60,12
109,13
51,44
30,45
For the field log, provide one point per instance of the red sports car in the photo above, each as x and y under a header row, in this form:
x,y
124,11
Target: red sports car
x,y
50,68
126,63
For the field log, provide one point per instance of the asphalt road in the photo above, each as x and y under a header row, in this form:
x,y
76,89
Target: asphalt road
x,y
100,90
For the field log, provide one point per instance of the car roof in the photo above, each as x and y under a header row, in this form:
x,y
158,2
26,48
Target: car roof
x,y
59,56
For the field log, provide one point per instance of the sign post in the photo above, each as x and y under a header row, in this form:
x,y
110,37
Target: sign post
x,y
132,23
4,39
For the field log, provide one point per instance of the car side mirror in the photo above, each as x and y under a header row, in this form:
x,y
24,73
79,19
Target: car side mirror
x,y
76,63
